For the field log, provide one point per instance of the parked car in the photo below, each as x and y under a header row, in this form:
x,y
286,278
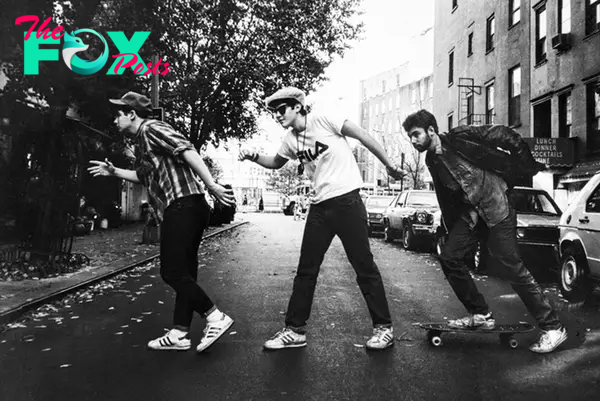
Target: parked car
x,y
537,232
376,205
410,217
579,243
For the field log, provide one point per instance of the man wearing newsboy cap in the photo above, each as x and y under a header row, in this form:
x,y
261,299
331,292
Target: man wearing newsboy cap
x,y
320,143
168,165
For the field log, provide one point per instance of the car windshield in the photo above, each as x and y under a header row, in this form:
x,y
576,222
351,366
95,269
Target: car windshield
x,y
379,201
533,202
422,199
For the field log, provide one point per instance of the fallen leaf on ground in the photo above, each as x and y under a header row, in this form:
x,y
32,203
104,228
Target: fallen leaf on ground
x,y
66,365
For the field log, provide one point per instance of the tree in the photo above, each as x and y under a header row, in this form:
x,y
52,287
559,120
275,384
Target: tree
x,y
214,167
285,180
226,55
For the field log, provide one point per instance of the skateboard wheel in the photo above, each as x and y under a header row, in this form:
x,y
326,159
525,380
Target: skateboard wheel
x,y
513,343
436,341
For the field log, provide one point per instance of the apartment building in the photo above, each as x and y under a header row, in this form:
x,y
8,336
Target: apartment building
x,y
531,65
386,100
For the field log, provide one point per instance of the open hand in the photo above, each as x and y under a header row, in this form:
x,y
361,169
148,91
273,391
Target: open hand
x,y
104,168
395,172
223,195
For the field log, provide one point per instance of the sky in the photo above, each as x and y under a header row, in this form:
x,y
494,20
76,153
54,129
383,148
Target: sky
x,y
391,37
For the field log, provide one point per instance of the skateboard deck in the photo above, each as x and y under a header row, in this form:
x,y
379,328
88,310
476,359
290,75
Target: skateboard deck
x,y
505,332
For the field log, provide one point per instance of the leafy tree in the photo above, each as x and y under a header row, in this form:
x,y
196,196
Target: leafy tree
x,y
224,56
285,180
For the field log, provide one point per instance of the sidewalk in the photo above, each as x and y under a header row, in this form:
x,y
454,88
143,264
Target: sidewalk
x,y
111,252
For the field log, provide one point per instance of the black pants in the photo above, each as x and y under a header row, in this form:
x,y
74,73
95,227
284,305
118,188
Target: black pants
x,y
346,217
181,232
503,247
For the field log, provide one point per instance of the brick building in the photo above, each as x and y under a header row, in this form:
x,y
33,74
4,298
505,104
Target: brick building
x,y
531,65
386,100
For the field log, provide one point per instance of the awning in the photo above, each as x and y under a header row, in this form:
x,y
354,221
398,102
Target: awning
x,y
582,171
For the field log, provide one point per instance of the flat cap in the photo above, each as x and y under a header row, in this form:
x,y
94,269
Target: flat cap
x,y
134,100
287,93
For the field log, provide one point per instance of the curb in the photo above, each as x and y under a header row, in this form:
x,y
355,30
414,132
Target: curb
x,y
14,313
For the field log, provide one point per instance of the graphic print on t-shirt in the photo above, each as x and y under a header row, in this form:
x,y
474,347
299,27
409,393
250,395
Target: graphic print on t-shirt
x,y
307,154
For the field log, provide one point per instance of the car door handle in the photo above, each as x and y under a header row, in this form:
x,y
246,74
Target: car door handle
x,y
585,219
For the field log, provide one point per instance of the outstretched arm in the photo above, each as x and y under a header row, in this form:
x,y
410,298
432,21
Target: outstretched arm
x,y
352,130
107,169
272,162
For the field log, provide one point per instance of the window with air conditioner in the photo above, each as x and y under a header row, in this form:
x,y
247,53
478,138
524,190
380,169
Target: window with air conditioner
x,y
562,41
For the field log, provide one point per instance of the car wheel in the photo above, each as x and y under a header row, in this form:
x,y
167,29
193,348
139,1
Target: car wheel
x,y
408,238
388,236
574,285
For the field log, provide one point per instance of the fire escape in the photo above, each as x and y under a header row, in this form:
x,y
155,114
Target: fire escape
x,y
466,103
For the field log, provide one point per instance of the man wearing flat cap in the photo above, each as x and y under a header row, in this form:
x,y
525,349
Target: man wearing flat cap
x,y
320,143
168,165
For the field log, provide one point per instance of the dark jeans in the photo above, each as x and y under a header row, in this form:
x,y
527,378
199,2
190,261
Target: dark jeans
x,y
503,248
181,232
346,217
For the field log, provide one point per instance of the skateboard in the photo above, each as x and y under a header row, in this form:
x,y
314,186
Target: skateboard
x,y
505,332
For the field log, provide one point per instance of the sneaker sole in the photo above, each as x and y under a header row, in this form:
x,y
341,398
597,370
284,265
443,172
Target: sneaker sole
x,y
285,346
170,348
562,340
391,344
214,340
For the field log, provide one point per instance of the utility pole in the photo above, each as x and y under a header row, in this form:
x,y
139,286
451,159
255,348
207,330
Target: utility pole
x,y
154,83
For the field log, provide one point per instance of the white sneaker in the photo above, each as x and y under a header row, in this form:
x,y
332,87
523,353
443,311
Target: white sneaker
x,y
172,341
286,338
383,337
213,331
549,341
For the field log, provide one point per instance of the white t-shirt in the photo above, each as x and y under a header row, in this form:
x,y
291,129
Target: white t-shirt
x,y
326,155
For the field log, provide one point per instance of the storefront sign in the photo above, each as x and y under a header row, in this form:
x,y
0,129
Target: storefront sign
x,y
553,152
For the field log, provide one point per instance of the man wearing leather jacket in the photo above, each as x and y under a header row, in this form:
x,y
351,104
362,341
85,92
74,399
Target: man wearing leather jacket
x,y
472,169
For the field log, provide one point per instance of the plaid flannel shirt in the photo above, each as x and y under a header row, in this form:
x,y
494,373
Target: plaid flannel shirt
x,y
160,166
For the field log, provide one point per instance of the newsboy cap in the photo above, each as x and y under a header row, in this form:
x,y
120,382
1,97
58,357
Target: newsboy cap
x,y
135,101
287,93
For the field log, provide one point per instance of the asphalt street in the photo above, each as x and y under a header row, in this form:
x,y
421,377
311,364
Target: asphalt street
x,y
92,344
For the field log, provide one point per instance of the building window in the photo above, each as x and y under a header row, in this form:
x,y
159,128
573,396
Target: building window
x,y
593,112
514,96
515,12
431,89
450,121
398,80
564,115
490,30
383,86
422,91
564,16
451,68
470,45
454,4
592,16
470,108
413,95
489,104
540,34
